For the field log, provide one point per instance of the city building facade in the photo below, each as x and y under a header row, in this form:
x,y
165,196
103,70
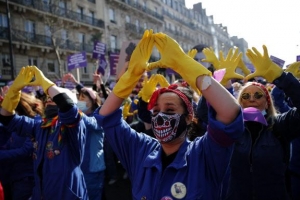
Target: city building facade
x,y
45,32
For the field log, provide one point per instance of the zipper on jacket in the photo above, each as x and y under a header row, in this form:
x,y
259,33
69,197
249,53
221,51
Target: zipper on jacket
x,y
251,152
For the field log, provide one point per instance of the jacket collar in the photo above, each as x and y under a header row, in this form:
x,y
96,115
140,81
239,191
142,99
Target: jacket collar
x,y
154,158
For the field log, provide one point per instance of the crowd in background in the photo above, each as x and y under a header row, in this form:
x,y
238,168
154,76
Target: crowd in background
x,y
204,132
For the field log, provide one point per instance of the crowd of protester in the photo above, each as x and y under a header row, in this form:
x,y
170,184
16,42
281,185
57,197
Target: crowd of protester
x,y
206,132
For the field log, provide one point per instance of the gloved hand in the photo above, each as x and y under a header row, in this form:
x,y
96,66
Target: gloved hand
x,y
41,80
244,68
294,68
211,57
192,53
13,95
126,110
172,56
148,88
137,66
230,65
264,66
162,81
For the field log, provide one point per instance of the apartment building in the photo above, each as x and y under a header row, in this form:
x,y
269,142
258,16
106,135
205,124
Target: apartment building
x,y
45,32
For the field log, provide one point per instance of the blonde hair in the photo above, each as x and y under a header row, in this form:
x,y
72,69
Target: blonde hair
x,y
271,110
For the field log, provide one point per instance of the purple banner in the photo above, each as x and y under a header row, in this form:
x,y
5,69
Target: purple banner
x,y
99,49
113,61
298,58
277,61
102,65
77,60
68,84
250,67
170,71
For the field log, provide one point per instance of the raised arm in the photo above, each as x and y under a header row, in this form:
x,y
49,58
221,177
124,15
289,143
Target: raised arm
x,y
137,66
198,77
13,95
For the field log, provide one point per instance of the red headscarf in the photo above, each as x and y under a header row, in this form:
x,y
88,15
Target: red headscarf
x,y
171,88
265,90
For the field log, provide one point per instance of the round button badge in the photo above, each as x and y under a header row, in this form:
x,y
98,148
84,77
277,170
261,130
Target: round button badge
x,y
178,190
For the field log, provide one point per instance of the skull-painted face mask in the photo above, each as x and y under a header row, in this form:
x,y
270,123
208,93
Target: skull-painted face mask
x,y
167,127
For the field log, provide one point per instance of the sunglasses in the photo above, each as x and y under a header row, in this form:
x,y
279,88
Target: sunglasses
x,y
256,95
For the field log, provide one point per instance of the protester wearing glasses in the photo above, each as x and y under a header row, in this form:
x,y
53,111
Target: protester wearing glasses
x,y
260,159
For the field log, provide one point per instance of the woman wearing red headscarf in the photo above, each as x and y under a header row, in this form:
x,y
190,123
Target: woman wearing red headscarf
x,y
170,166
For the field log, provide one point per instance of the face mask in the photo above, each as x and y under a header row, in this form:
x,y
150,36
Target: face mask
x,y
263,112
82,106
254,115
167,127
51,111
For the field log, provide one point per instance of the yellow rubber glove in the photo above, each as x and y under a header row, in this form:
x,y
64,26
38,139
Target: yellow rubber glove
x,y
172,56
230,64
192,53
244,68
294,68
126,111
211,57
264,66
162,81
41,80
12,97
137,66
149,87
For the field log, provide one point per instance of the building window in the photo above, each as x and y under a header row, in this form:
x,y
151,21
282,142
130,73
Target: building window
x,y
113,42
30,29
48,35
5,60
84,69
145,25
32,61
137,24
176,5
3,20
63,40
92,1
112,17
62,7
127,18
91,17
80,12
81,40
46,5
51,66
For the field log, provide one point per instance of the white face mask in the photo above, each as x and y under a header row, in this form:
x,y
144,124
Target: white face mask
x,y
82,106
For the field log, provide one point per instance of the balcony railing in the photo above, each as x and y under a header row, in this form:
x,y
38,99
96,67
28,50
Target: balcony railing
x,y
43,40
133,28
142,8
188,24
60,12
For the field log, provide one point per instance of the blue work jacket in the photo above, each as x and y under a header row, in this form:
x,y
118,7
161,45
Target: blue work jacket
x,y
58,154
93,160
196,172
